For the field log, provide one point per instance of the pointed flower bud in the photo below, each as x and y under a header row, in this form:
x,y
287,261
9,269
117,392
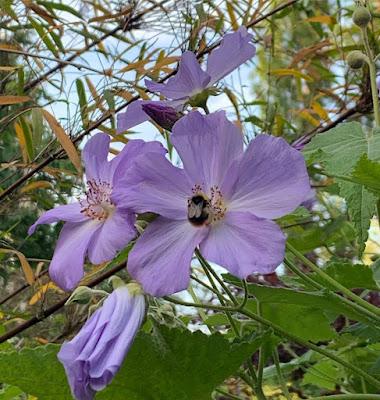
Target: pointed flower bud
x,y
93,357
164,116
361,17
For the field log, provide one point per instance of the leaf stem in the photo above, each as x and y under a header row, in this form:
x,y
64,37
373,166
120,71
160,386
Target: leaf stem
x,y
317,285
280,331
372,76
357,299
284,388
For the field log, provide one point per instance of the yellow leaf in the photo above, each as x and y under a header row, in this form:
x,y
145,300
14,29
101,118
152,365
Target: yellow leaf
x,y
42,291
7,46
36,185
305,114
6,100
323,19
7,68
98,100
319,110
231,13
165,61
291,72
63,139
21,141
28,272
139,66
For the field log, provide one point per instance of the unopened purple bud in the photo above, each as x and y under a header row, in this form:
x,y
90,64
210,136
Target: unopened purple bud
x,y
164,116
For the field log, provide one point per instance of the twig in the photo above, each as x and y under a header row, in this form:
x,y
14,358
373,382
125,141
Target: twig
x,y
20,289
51,310
126,25
6,192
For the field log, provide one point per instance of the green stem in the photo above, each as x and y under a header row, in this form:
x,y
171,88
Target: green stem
x,y
280,331
333,282
372,76
202,314
221,300
205,264
284,388
260,367
317,285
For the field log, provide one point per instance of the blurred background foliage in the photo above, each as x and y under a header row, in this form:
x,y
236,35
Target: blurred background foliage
x,y
67,67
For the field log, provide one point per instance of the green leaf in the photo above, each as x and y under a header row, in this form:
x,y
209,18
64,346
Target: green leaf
x,y
60,6
349,275
324,374
43,34
306,322
177,365
35,371
322,301
367,173
170,364
339,149
81,91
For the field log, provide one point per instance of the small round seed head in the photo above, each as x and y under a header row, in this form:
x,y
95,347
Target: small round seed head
x,y
355,59
361,17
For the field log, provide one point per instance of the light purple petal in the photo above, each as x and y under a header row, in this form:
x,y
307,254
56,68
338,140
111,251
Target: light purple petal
x,y
95,154
67,212
96,353
273,179
244,244
114,234
189,80
66,267
153,184
118,167
134,115
207,145
235,49
160,259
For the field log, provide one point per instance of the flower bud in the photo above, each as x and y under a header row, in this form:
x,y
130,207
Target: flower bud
x,y
356,59
361,17
81,295
164,116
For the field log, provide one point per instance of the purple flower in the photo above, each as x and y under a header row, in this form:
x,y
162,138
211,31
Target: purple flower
x,y
96,225
191,80
96,353
222,200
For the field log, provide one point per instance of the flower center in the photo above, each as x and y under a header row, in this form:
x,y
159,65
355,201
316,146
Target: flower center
x,y
203,210
97,204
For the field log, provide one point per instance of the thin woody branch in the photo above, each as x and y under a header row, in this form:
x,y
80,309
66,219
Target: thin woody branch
x,y
59,153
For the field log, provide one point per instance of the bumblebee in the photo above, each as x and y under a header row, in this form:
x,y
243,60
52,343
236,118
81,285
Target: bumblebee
x,y
198,210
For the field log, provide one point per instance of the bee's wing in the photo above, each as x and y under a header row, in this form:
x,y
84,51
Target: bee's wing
x,y
195,210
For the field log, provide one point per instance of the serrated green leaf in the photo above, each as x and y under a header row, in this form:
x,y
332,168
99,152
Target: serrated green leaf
x,y
324,374
323,301
35,371
339,149
350,275
367,173
157,367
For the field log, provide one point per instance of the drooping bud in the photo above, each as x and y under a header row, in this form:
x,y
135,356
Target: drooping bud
x,y
361,17
356,59
164,116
